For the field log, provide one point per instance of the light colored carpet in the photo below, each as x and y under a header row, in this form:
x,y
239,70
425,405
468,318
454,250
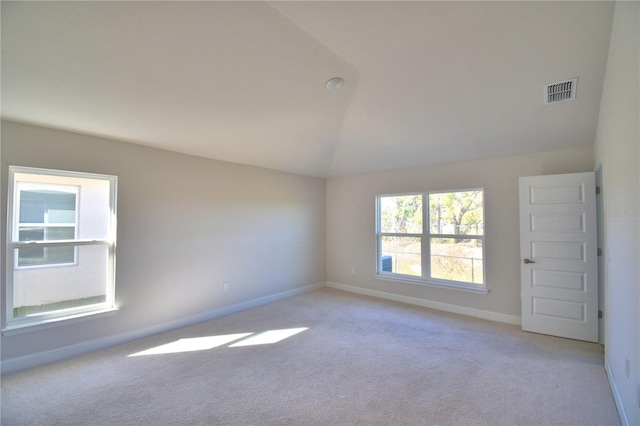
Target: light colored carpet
x,y
360,361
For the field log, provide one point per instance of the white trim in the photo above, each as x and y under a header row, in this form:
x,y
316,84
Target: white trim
x,y
60,173
57,243
624,419
79,314
448,285
33,360
456,309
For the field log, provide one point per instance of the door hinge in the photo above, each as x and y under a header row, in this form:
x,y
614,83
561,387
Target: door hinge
x,y
599,252
599,314
598,190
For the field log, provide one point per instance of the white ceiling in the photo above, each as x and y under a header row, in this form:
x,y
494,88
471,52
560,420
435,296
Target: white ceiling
x,y
425,82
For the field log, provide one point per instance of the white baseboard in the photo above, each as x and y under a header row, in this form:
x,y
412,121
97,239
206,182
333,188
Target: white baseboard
x,y
40,358
616,395
478,313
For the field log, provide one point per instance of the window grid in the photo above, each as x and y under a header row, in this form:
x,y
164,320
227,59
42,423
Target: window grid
x,y
427,239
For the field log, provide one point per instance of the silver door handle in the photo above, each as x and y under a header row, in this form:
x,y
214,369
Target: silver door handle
x,y
528,261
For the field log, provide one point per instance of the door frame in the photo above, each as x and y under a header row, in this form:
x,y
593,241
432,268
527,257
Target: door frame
x,y
602,253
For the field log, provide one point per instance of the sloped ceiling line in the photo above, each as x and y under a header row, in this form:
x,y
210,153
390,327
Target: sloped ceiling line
x,y
425,82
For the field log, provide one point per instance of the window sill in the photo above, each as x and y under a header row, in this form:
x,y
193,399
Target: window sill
x,y
446,286
27,326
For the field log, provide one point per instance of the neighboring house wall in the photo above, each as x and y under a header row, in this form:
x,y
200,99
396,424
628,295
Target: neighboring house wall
x,y
185,226
69,282
617,150
351,240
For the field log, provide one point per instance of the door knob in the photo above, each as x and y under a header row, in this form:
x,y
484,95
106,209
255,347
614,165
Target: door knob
x,y
528,261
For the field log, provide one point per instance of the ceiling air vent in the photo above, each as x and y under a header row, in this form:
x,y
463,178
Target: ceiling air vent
x,y
561,91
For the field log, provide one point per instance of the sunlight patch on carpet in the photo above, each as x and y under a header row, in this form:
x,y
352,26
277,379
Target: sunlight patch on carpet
x,y
205,343
192,344
269,337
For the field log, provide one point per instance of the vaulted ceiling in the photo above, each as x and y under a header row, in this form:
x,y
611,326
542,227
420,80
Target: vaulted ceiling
x,y
424,82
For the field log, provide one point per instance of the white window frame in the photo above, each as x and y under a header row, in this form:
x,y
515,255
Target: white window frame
x,y
13,325
425,238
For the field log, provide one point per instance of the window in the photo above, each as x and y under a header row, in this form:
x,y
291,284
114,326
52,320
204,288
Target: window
x,y
434,238
60,246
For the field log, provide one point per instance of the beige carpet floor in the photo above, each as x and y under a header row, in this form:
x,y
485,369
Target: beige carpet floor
x,y
352,360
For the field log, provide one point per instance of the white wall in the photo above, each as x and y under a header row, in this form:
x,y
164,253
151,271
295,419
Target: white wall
x,y
185,226
617,149
351,224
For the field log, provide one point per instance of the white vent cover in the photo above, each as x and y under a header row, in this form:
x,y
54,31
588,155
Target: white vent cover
x,y
561,91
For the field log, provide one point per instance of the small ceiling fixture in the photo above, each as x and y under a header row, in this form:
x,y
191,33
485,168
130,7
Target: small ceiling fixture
x,y
334,83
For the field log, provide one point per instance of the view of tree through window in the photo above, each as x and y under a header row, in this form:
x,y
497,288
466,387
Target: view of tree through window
x,y
450,248
457,215
402,220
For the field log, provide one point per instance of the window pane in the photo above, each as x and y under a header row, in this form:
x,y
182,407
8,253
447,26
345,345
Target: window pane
x,y
59,255
401,255
456,213
46,233
37,256
457,259
31,210
61,208
47,206
31,234
30,256
401,214
54,233
37,290
33,256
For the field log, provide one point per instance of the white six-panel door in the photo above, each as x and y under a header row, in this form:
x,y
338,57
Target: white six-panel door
x,y
558,254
